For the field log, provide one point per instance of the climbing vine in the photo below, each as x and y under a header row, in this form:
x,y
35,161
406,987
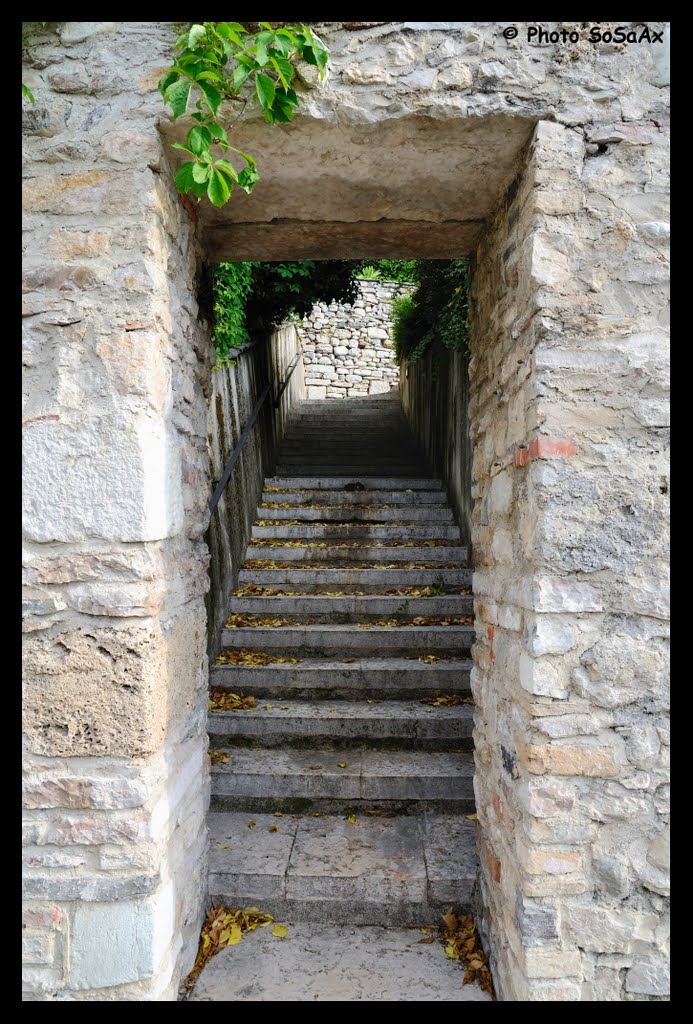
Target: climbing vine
x,y
436,315
216,60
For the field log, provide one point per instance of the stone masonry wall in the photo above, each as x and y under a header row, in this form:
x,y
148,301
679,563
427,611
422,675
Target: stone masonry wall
x,y
348,348
235,390
568,412
435,398
116,480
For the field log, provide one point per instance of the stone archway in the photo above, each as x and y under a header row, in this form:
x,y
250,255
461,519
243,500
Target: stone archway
x,y
550,166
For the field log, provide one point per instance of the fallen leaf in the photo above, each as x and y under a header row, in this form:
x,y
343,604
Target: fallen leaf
x,y
278,814
251,824
424,931
428,941
314,767
343,764
224,700
471,817
352,819
280,930
222,846
273,828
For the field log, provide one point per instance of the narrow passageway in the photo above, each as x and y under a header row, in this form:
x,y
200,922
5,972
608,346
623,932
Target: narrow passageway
x,y
342,797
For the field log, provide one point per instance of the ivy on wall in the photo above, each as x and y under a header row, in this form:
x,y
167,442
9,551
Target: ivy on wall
x,y
436,315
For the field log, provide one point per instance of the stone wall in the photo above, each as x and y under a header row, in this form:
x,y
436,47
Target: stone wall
x,y
568,413
435,399
235,390
348,348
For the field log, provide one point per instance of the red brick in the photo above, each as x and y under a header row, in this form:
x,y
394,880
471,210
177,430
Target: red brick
x,y
549,447
544,448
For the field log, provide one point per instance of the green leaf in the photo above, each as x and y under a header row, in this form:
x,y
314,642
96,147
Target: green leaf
x,y
219,134
264,87
178,145
177,96
284,69
184,177
231,30
261,57
212,96
199,139
209,76
196,33
201,172
199,188
247,179
239,75
218,190
26,91
246,156
168,79
227,167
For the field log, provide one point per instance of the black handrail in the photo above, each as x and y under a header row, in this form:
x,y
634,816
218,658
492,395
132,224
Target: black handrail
x,y
282,389
236,453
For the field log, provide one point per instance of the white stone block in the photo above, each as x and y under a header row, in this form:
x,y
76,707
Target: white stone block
x,y
117,477
117,943
542,678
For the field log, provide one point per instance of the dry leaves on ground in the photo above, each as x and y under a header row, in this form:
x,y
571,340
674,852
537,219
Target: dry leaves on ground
x,y
237,620
224,700
224,926
273,542
251,659
444,700
218,756
461,942
464,620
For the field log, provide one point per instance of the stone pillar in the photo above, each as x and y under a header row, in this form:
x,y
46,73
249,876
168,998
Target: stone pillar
x,y
115,486
568,409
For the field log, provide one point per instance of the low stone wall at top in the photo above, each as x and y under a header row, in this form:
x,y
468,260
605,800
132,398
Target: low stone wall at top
x,y
348,348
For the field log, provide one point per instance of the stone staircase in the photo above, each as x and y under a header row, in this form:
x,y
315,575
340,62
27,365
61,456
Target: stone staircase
x,y
344,797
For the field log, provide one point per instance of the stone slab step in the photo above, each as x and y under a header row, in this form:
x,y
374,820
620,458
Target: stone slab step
x,y
350,580
322,723
338,638
328,678
403,513
360,499
355,531
372,871
337,483
371,606
317,962
358,553
370,778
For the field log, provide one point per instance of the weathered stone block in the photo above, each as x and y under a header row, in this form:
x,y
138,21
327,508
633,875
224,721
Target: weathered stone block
x,y
116,943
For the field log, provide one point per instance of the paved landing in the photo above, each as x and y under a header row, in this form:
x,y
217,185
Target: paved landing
x,y
334,963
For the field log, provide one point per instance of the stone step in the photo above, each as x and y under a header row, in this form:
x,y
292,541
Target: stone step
x,y
335,963
383,553
320,870
361,678
360,499
349,580
330,639
358,470
323,725
403,513
337,483
372,779
359,608
356,531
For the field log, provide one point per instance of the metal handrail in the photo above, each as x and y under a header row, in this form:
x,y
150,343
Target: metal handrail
x,y
236,453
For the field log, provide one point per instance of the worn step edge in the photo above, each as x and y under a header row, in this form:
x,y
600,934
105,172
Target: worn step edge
x,y
359,606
